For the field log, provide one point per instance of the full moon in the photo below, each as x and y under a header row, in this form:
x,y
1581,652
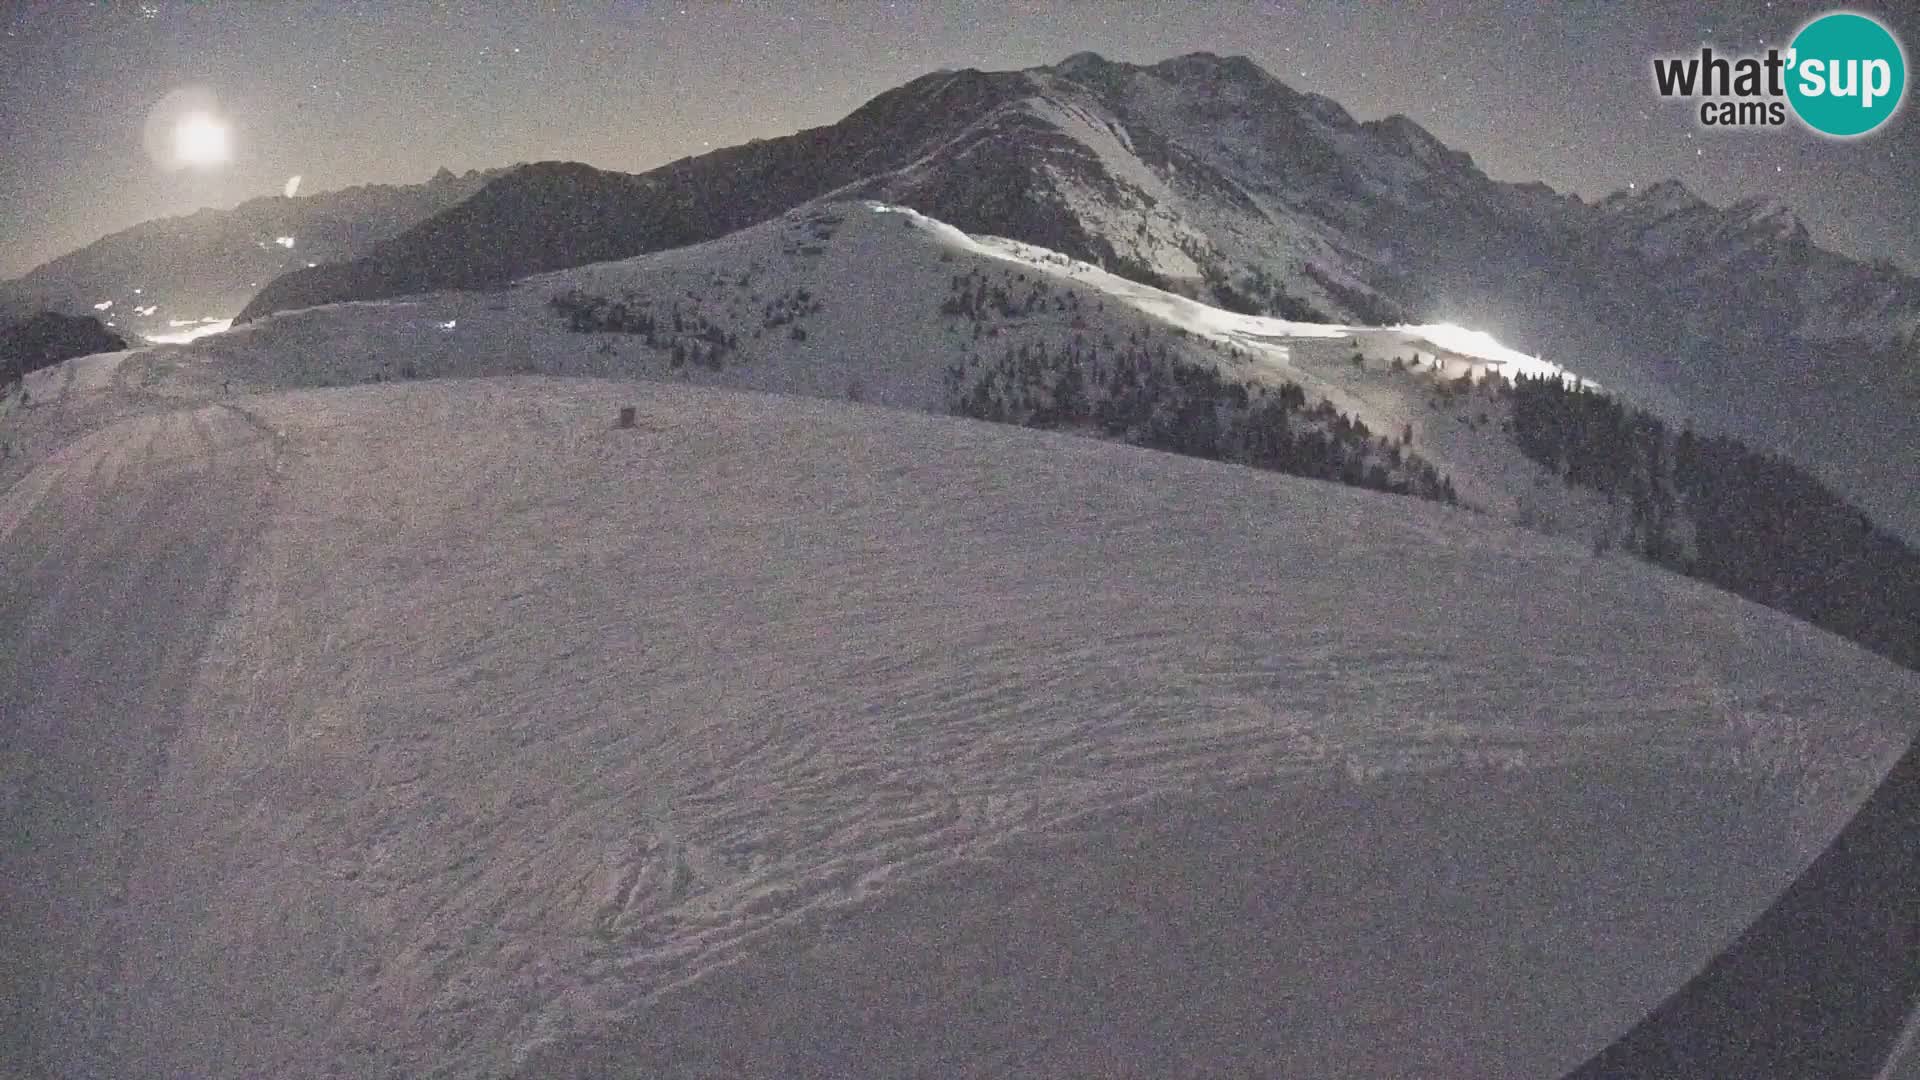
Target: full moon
x,y
187,129
199,139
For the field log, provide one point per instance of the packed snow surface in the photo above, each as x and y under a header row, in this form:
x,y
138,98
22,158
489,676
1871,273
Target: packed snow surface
x,y
448,728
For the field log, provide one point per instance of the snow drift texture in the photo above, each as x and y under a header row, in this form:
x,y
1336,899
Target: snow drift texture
x,y
446,729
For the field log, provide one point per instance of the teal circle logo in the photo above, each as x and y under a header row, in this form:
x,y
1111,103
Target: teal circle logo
x,y
1846,74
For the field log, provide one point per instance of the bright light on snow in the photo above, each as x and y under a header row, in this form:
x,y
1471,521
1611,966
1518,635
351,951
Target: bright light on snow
x,y
293,185
1255,332
1483,346
1460,339
284,241
199,330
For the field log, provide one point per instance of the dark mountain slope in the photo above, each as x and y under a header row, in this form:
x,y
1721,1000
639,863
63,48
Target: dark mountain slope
x,y
207,264
48,337
554,215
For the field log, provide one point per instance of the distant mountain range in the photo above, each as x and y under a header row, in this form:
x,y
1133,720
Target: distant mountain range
x,y
1206,175
161,275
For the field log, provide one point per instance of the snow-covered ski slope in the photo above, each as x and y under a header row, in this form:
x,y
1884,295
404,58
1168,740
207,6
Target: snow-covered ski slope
x,y
864,284
448,729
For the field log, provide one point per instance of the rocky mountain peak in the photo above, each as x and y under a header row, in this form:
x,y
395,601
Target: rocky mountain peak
x,y
1667,196
1401,133
1081,63
1769,215
1213,68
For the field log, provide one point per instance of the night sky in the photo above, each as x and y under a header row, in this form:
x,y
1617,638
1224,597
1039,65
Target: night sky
x,y
344,93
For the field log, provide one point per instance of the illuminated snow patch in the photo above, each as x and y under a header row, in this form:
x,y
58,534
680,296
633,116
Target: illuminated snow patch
x,y
103,305
1483,346
198,330
284,241
1467,342
1259,332
293,185
449,324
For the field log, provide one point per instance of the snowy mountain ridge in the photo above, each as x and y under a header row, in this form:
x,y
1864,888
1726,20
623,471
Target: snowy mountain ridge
x,y
629,669
1203,166
854,300
1209,177
459,729
880,304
